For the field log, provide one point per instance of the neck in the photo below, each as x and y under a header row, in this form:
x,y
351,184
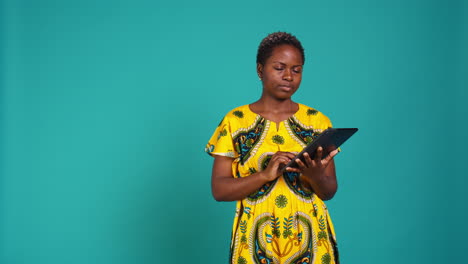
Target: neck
x,y
268,104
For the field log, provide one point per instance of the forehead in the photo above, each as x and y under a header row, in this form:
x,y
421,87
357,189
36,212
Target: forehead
x,y
286,54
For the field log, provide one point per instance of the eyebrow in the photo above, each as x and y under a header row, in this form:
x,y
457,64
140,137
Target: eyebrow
x,y
285,63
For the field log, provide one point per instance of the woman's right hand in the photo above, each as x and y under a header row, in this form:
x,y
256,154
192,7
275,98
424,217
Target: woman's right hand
x,y
274,168
226,187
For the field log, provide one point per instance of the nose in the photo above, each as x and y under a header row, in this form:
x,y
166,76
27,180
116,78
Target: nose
x,y
287,75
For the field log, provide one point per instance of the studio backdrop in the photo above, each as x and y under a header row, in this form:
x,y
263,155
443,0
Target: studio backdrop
x,y
106,107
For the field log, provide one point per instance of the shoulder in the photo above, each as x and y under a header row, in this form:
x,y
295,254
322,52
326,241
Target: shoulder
x,y
312,116
239,112
239,115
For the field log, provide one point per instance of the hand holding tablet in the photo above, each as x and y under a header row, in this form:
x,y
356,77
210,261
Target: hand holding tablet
x,y
329,140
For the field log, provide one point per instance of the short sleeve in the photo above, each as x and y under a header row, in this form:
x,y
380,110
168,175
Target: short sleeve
x,y
330,125
327,124
221,143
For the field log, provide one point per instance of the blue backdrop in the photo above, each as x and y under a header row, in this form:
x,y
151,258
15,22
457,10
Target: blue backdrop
x,y
106,107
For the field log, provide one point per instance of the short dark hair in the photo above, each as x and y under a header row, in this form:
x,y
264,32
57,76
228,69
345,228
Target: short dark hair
x,y
274,40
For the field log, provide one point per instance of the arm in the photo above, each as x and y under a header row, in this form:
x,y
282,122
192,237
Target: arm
x,y
225,187
319,174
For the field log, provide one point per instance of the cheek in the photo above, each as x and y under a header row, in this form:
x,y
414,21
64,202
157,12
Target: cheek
x,y
298,80
271,77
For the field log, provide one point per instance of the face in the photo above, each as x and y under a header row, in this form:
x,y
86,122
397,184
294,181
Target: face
x,y
282,73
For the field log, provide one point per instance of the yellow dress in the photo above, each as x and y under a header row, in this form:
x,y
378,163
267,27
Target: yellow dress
x,y
281,222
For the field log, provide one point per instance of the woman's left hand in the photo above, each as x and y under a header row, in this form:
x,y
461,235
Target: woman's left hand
x,y
313,168
318,173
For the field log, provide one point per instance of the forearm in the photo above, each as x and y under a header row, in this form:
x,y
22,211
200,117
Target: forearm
x,y
324,186
233,189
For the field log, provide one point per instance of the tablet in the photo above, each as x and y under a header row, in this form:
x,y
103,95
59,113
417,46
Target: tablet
x,y
329,140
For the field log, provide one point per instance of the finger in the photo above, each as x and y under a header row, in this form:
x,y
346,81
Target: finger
x,y
281,160
285,160
330,156
290,155
281,153
284,157
278,155
300,164
282,165
333,153
289,169
318,155
308,160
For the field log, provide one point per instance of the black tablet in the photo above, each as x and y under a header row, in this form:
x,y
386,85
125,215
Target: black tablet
x,y
329,140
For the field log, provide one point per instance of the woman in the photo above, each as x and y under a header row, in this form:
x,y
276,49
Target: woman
x,y
280,216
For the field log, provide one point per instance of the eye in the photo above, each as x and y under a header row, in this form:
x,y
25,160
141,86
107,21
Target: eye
x,y
278,68
297,70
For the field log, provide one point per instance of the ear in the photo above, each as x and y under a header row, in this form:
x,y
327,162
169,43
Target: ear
x,y
260,70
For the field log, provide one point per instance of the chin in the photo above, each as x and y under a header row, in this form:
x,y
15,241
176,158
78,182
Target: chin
x,y
284,96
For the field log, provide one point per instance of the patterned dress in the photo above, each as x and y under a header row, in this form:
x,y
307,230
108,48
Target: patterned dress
x,y
283,221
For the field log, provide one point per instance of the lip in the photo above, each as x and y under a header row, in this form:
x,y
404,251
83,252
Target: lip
x,y
285,87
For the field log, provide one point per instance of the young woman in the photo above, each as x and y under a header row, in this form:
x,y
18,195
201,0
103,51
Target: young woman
x,y
280,216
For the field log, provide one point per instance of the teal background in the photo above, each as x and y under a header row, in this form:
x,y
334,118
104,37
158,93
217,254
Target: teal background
x,y
106,107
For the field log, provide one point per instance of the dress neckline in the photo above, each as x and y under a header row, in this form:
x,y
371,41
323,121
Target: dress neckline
x,y
299,106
